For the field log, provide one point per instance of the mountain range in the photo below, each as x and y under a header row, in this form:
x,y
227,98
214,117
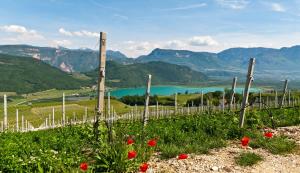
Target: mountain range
x,y
26,74
270,63
135,75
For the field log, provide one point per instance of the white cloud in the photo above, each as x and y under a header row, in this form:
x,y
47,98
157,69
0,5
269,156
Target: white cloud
x,y
82,33
233,4
64,43
22,32
142,46
90,34
202,41
64,32
277,7
193,6
196,43
175,44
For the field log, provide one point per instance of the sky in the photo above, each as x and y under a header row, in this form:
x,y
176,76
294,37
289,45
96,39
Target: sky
x,y
136,27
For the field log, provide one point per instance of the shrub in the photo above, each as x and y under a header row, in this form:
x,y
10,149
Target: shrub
x,y
247,159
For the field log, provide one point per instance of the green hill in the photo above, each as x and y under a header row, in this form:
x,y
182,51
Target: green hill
x,y
119,75
25,74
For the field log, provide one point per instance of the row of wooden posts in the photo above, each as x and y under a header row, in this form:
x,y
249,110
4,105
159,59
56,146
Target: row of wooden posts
x,y
100,113
153,112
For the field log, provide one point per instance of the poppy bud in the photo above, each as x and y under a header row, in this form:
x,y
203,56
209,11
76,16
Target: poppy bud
x,y
144,167
84,166
268,134
131,154
152,143
182,156
245,141
130,141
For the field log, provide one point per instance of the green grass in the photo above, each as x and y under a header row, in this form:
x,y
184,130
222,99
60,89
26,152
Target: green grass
x,y
196,134
248,159
276,145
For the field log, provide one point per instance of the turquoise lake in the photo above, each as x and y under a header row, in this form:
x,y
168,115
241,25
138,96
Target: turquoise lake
x,y
170,90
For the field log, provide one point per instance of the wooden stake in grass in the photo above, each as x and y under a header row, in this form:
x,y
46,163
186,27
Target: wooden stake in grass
x,y
232,92
289,100
223,102
147,95
284,93
108,104
5,112
23,128
63,111
101,77
17,120
53,117
85,114
247,89
260,100
202,102
101,82
175,104
276,99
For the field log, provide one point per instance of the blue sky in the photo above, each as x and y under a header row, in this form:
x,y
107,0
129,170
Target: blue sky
x,y
136,27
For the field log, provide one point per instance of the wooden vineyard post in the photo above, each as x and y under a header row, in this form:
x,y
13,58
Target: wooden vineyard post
x,y
108,104
5,113
63,111
284,93
202,101
26,126
232,92
289,98
17,120
246,92
53,117
175,104
101,77
109,119
223,102
101,82
157,113
147,95
276,99
49,120
85,114
260,100
22,123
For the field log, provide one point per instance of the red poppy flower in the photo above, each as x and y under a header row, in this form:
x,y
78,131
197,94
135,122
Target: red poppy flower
x,y
245,141
182,156
131,154
84,166
269,134
130,141
152,143
144,167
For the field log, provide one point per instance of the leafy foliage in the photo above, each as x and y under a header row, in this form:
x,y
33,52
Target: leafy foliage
x,y
248,159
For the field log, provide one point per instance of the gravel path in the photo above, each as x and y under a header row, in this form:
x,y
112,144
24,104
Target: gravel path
x,y
222,160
